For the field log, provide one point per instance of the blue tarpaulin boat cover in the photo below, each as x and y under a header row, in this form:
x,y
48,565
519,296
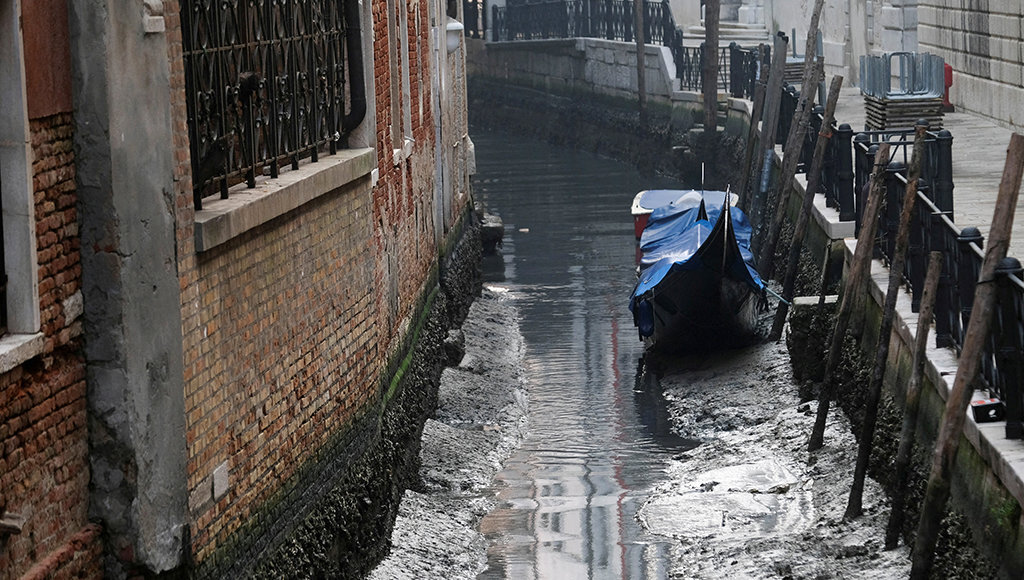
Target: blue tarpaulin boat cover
x,y
674,234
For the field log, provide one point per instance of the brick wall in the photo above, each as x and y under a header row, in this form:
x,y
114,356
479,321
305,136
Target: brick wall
x,y
283,355
44,472
288,329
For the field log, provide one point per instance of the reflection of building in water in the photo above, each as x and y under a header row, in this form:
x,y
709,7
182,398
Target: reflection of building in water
x,y
568,497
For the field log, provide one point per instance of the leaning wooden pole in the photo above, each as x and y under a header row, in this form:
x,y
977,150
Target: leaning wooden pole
x,y
813,183
790,160
755,117
858,272
913,402
710,80
809,82
770,124
641,65
892,293
970,363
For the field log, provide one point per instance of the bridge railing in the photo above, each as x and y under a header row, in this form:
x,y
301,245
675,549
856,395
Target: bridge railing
x,y
845,176
613,20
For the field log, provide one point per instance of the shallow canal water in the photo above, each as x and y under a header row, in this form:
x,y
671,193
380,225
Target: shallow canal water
x,y
598,440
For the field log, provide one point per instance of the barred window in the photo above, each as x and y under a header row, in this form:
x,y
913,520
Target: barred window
x,y
266,86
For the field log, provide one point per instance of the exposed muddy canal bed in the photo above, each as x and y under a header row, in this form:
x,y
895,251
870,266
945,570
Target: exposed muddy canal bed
x,y
557,453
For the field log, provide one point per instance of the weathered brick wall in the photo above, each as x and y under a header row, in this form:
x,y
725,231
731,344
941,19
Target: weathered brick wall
x,y
44,473
283,355
982,42
292,330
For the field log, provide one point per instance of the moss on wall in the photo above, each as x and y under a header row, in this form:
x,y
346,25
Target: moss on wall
x,y
334,518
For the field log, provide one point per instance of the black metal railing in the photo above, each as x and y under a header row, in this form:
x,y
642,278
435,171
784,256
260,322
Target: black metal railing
x,y
474,14
265,84
932,228
845,176
614,20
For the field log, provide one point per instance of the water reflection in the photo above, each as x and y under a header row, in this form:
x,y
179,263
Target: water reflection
x,y
599,439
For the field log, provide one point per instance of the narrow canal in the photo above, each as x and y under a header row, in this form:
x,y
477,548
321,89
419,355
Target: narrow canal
x,y
598,441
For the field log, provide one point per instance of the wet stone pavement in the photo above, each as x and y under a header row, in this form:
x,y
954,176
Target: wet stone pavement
x,y
557,453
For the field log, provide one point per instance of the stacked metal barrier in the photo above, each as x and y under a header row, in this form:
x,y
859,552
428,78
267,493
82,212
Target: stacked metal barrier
x,y
920,83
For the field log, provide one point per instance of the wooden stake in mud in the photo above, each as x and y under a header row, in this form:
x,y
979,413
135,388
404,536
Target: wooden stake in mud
x,y
913,401
791,158
755,116
641,65
970,362
813,182
854,283
711,17
809,82
770,124
855,504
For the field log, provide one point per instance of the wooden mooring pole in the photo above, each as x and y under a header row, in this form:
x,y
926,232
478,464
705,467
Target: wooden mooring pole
x,y
791,158
913,401
813,74
896,262
755,117
813,182
858,272
770,124
953,418
641,64
710,83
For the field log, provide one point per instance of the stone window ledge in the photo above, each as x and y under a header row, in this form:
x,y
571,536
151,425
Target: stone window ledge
x,y
15,349
221,220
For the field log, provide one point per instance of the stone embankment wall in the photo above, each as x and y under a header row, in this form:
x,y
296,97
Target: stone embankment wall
x,y
985,506
582,93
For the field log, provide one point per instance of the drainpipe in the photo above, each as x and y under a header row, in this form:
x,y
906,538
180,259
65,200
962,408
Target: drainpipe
x,y
357,85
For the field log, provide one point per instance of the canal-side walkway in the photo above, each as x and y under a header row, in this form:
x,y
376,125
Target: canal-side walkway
x,y
979,153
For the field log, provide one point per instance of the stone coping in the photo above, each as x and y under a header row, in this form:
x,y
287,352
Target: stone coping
x,y
221,220
1005,457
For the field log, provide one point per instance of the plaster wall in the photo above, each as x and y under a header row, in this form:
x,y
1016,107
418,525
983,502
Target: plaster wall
x,y
124,143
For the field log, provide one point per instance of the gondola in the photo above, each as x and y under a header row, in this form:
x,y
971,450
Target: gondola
x,y
697,287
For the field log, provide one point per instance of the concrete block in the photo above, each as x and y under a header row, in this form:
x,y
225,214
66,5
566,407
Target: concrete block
x,y
1004,49
1005,26
1007,72
910,17
220,480
890,17
835,52
891,40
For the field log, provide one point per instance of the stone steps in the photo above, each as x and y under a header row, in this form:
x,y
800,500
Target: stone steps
x,y
745,35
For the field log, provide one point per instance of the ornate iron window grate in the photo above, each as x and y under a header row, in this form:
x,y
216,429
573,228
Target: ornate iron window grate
x,y
265,83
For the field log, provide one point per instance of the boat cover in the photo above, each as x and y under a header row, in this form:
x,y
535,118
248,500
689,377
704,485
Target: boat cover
x,y
672,238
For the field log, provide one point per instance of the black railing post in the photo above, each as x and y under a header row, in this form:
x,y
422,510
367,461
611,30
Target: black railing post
x,y
889,217
844,172
1010,345
942,187
944,314
811,139
609,9
968,265
735,88
866,160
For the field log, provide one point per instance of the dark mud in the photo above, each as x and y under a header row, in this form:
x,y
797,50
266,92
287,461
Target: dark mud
x,y
751,502
480,419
